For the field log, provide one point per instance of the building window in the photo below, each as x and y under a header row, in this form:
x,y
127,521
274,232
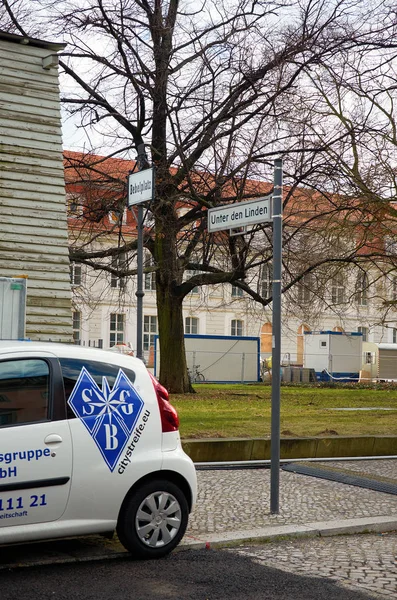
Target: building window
x,y
118,264
304,292
191,325
118,216
364,331
394,335
116,329
188,275
266,281
236,327
74,207
192,273
338,289
149,331
236,292
150,278
75,273
77,327
362,289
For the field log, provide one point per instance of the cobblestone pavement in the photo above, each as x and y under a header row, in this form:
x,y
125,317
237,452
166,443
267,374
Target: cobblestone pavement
x,y
361,561
235,505
230,500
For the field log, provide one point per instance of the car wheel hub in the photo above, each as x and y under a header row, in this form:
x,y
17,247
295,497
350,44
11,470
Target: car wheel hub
x,y
158,519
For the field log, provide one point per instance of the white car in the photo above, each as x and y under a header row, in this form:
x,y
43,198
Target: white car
x,y
88,444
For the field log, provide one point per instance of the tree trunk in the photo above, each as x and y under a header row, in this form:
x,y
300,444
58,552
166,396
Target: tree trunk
x,y
169,274
173,368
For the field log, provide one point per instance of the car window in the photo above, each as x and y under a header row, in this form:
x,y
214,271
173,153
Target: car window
x,y
71,369
24,391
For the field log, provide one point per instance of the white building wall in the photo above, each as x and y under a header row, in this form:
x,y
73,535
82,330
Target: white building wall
x,y
95,331
216,323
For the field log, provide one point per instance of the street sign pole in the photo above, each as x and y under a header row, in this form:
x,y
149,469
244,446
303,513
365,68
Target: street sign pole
x,y
139,291
236,217
140,189
276,337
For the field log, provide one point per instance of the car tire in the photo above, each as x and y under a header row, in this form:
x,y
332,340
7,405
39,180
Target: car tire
x,y
153,519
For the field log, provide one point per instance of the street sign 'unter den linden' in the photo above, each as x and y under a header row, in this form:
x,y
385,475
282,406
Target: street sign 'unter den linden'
x,y
240,214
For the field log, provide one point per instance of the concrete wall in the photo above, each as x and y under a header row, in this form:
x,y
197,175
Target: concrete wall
x,y
226,450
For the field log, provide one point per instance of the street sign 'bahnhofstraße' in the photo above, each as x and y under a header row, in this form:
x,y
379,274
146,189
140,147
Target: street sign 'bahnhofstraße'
x,y
240,214
140,186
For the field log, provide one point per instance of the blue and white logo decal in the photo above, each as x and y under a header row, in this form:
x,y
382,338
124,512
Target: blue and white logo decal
x,y
108,414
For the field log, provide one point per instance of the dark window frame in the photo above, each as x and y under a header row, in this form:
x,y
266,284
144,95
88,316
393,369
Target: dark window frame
x,y
56,408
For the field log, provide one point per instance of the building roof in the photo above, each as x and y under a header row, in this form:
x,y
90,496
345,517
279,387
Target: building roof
x,y
93,168
29,41
97,177
87,167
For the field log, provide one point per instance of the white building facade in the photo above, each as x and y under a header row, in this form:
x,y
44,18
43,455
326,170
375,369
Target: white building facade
x,y
105,313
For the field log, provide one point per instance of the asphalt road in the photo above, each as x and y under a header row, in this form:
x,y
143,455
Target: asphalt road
x,y
185,575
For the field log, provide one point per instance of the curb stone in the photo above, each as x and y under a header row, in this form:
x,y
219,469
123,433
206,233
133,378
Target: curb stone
x,y
314,529
214,540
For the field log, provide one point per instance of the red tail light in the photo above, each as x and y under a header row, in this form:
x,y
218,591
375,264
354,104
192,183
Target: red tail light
x,y
168,414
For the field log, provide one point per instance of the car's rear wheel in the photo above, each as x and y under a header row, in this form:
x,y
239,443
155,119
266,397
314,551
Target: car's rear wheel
x,y
153,519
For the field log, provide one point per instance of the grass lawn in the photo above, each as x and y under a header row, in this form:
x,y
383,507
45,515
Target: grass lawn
x,y
218,411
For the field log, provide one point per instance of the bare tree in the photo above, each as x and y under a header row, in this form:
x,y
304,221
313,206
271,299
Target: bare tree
x,y
216,93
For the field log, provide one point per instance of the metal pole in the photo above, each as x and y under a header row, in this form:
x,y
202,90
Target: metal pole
x,y
276,336
143,163
139,292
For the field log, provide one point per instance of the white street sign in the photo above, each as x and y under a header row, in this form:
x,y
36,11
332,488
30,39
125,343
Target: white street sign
x,y
240,214
140,186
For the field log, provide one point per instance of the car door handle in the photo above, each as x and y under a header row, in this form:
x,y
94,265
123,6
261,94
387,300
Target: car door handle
x,y
53,438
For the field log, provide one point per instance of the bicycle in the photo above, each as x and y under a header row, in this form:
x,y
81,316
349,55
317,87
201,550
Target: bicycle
x,y
197,377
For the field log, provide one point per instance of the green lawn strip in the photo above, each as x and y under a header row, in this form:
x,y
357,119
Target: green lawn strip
x,y
219,411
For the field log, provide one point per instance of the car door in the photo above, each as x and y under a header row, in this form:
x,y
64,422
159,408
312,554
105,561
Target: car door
x,y
35,440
